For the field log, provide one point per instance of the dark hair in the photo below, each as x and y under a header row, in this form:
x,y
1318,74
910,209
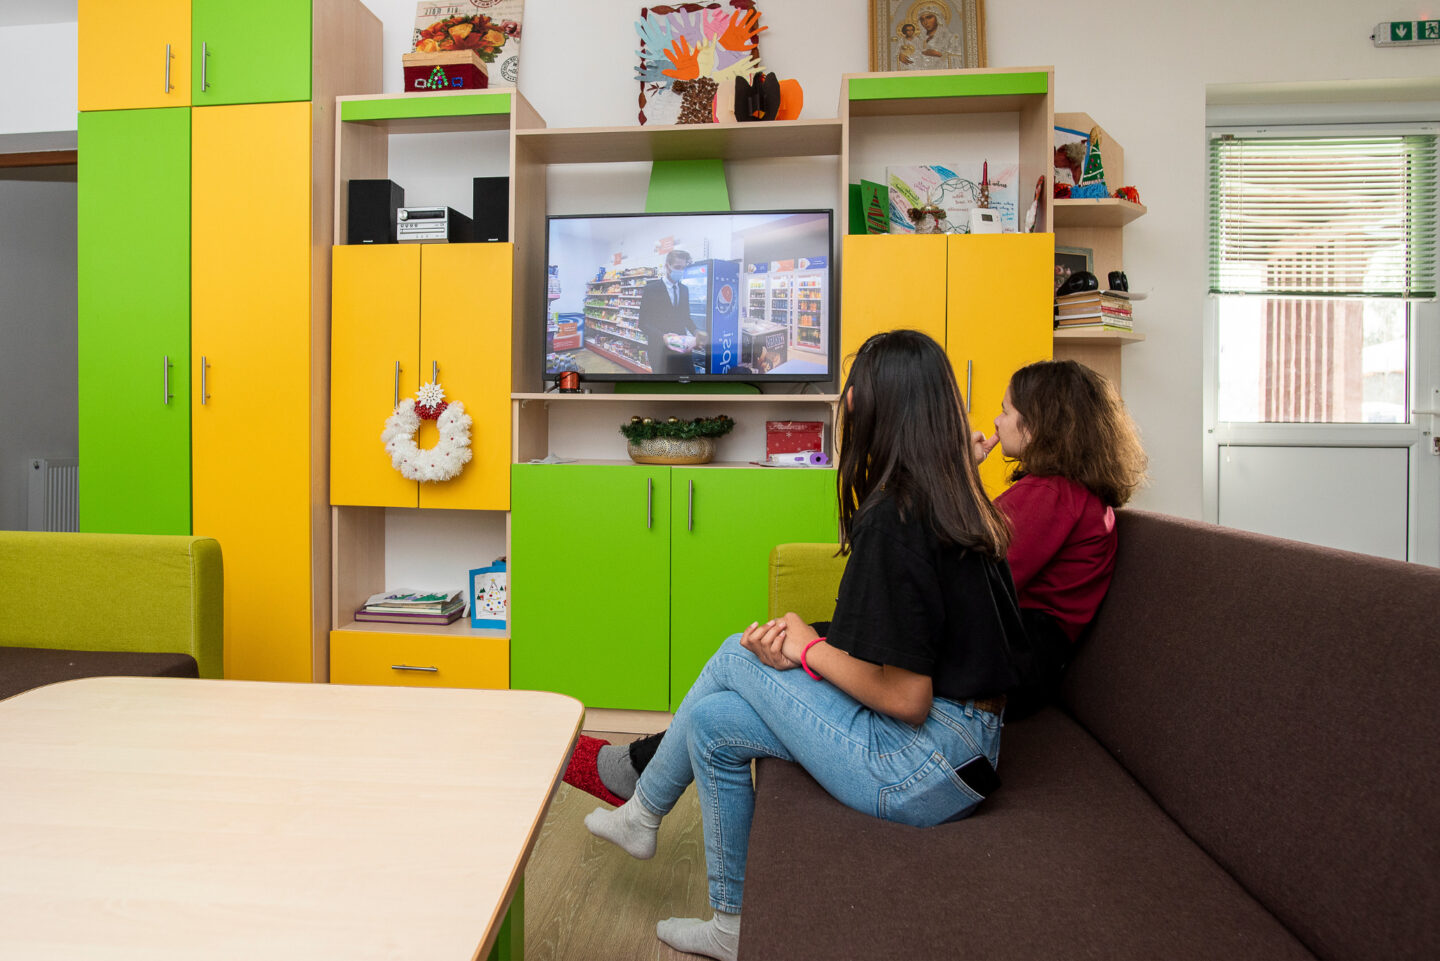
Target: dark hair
x,y
676,254
904,431
1078,428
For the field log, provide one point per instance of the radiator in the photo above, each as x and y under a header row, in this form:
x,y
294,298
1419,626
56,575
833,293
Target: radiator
x,y
54,493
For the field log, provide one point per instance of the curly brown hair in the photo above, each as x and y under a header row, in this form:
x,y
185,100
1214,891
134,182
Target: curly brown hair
x,y
1078,428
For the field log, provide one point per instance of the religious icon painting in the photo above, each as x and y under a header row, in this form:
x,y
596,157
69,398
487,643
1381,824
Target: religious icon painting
x,y
927,34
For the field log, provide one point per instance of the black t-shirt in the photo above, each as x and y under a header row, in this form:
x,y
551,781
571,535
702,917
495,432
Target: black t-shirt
x,y
941,610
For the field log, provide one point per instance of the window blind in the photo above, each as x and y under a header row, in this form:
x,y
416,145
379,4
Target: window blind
x,y
1323,216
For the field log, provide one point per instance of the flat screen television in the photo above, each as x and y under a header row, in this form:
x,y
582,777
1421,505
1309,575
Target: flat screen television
x,y
691,297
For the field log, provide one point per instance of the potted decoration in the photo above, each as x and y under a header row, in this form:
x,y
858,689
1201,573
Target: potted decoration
x,y
674,441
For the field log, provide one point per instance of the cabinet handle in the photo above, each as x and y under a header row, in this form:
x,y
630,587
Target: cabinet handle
x,y
434,371
204,366
410,667
690,509
396,405
166,375
649,499
204,56
969,379
168,57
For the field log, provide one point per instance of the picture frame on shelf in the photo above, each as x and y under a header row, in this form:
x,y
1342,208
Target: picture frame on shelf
x,y
1068,260
490,596
927,34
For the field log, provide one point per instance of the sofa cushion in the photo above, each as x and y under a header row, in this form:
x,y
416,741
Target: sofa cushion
x,y
1278,700
1070,858
23,668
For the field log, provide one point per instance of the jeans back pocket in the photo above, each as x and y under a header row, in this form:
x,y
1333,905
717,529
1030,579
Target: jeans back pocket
x,y
930,796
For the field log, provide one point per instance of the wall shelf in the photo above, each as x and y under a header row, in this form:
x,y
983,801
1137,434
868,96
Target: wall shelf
x,y
678,398
1097,338
1109,212
739,141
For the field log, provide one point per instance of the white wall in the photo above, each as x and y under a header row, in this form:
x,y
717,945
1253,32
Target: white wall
x,y
38,400
37,87
1139,67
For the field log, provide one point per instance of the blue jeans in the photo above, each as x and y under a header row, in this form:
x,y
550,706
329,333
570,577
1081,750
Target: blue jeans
x,y
739,710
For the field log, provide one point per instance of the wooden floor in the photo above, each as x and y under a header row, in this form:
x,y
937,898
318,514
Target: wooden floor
x,y
587,900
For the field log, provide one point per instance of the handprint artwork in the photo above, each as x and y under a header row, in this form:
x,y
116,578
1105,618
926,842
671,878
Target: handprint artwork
x,y
689,53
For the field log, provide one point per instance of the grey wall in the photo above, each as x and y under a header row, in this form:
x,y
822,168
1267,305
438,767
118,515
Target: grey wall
x,y
38,392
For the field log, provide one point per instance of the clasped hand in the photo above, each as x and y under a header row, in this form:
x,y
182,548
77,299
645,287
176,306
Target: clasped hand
x,y
778,642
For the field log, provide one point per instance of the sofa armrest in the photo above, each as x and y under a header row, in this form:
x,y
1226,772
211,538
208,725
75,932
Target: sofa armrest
x,y
114,592
805,578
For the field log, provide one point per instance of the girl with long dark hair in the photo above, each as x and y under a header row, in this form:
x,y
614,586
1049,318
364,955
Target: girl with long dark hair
x,y
897,710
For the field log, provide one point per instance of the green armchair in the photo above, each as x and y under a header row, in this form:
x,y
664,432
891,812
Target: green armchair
x,y
805,578
108,594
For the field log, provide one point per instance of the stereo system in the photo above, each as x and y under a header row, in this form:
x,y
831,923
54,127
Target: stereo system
x,y
432,225
377,215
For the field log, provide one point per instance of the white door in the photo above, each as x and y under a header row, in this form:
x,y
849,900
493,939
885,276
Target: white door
x,y
1321,417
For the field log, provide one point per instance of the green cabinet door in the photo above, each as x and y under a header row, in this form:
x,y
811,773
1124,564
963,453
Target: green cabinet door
x,y
133,265
590,583
723,524
252,52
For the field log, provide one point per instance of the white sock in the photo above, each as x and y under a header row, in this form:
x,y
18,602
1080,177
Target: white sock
x,y
629,826
717,938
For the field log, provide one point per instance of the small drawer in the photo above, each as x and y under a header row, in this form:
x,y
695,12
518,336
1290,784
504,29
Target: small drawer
x,y
418,660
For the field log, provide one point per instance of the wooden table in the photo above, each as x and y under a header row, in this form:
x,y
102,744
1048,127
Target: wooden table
x,y
164,818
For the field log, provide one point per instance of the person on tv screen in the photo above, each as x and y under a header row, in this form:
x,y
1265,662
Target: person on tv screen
x,y
665,318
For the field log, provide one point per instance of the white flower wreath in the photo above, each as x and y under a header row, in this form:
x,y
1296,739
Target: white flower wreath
x,y
441,462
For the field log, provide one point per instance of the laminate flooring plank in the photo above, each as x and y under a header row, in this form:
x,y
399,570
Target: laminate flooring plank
x,y
587,900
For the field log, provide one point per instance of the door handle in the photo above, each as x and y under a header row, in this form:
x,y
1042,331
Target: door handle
x,y
434,371
411,667
204,366
690,509
969,379
204,56
397,385
168,57
649,502
166,375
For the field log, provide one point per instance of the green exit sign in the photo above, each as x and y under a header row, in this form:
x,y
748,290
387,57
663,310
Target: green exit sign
x,y
1406,33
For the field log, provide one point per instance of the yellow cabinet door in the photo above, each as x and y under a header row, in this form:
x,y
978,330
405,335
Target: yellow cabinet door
x,y
122,47
465,336
374,358
1000,318
419,660
250,338
891,282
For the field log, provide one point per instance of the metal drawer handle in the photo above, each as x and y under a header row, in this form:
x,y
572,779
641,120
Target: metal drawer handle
x,y
204,366
397,386
649,502
166,375
168,57
690,509
411,667
969,377
204,56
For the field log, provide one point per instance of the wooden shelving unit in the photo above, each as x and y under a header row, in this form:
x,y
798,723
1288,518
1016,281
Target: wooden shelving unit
x,y
1099,226
742,141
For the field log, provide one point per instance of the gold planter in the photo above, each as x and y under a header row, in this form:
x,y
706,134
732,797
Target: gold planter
x,y
671,450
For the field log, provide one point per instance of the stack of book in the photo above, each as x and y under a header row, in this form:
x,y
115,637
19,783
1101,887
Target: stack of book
x,y
1094,308
413,607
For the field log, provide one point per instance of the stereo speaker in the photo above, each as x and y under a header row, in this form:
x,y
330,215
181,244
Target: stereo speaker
x,y
491,212
373,205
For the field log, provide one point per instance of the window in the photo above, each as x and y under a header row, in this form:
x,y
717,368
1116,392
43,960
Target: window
x,y
1318,247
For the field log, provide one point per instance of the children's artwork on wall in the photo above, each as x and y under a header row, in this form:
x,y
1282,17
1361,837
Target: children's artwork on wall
x,y
954,189
690,53
927,34
489,596
489,27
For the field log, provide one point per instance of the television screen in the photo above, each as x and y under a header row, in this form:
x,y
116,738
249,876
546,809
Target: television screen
x,y
681,297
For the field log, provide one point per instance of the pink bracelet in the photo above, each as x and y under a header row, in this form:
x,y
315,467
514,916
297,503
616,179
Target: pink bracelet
x,y
807,666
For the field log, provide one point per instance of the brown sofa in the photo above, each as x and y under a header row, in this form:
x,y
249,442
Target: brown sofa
x,y
1246,764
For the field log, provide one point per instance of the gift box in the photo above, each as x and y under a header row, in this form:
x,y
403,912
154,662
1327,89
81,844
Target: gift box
x,y
448,70
793,436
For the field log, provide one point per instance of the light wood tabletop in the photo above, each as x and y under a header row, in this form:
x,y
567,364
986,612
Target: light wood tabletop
x,y
163,818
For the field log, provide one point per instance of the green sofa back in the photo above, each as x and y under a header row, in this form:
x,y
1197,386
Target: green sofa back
x,y
805,578
113,592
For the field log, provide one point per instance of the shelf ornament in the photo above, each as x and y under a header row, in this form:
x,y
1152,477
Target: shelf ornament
x,y
448,457
693,53
674,441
